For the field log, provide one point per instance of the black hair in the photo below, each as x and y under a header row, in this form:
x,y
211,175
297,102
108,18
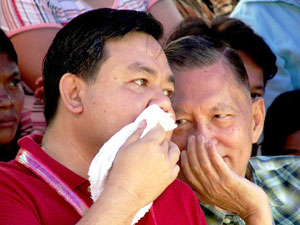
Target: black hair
x,y
79,47
282,120
241,37
7,47
237,34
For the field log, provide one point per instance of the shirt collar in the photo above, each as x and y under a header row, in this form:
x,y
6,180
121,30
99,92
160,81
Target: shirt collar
x,y
255,176
32,144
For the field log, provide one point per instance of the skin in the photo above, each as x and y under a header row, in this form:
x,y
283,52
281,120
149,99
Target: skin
x,y
255,75
11,98
217,124
89,114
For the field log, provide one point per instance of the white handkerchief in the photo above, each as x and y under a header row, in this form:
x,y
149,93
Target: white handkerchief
x,y
102,162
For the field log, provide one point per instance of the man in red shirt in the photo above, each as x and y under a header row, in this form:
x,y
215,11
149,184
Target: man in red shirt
x,y
101,71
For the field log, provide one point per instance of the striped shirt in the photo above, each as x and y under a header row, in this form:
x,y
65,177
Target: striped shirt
x,y
21,15
279,176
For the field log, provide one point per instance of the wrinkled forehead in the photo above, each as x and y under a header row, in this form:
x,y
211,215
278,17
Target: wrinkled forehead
x,y
203,83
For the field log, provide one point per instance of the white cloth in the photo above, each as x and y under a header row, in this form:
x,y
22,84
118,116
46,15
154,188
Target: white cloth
x,y
103,160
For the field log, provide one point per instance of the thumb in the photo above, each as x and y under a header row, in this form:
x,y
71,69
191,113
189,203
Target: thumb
x,y
136,134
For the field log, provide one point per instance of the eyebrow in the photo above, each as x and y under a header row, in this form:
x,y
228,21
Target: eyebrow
x,y
141,67
221,106
15,73
259,87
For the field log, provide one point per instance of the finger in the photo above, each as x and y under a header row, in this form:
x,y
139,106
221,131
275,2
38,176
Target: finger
x,y
39,92
157,134
202,154
173,154
192,155
39,81
209,175
188,173
217,162
136,134
164,147
175,172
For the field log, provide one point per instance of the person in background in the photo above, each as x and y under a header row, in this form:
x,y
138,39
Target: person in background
x,y
257,57
101,71
218,122
11,99
282,126
278,23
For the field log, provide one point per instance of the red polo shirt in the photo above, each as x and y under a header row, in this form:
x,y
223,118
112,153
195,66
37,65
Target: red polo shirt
x,y
26,199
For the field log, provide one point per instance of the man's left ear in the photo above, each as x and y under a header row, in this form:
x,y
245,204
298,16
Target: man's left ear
x,y
258,113
71,89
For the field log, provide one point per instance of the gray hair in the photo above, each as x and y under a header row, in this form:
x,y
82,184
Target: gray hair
x,y
196,51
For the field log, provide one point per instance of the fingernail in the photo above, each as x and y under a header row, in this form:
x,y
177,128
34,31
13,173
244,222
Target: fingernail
x,y
214,141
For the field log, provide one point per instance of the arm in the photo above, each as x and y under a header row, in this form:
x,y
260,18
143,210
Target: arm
x,y
216,185
31,47
166,12
133,173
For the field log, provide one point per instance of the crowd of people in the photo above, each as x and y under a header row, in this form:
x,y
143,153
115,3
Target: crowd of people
x,y
74,73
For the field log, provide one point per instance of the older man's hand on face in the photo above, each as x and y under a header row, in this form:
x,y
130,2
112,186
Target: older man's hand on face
x,y
215,184
143,163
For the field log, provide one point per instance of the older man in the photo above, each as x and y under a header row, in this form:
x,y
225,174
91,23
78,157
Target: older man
x,y
101,71
217,124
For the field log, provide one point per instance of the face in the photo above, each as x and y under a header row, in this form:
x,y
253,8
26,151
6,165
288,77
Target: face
x,y
292,144
11,98
135,75
208,101
255,75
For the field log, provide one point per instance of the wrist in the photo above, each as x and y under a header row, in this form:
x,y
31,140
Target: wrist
x,y
259,214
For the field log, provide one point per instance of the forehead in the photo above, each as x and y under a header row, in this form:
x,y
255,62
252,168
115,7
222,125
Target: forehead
x,y
213,85
7,66
137,47
254,72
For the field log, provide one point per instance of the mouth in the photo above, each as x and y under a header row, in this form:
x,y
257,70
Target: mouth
x,y
7,121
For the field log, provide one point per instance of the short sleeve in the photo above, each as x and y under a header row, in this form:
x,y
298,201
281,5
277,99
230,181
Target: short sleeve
x,y
21,15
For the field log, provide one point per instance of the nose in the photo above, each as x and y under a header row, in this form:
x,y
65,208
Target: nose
x,y
6,101
203,130
163,101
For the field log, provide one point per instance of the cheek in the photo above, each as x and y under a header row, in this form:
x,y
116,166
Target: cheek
x,y
180,141
238,135
19,102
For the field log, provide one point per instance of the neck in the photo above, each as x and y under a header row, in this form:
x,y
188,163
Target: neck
x,y
64,147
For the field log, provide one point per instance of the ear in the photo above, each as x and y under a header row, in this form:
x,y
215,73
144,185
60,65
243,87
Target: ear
x,y
71,88
258,113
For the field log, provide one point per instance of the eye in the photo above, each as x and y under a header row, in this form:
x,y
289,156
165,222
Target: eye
x,y
141,82
220,116
15,82
168,93
181,121
256,95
